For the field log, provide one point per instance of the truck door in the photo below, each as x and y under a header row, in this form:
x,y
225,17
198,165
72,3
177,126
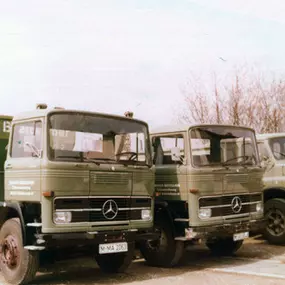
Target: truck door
x,y
23,164
170,175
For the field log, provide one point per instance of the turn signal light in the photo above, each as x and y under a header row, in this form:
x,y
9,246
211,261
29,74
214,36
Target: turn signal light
x,y
48,194
193,191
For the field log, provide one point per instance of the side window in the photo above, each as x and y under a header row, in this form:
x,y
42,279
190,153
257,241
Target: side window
x,y
26,139
263,152
162,148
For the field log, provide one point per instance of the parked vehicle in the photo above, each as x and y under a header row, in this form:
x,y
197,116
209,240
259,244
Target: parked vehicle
x,y
5,126
272,153
74,178
208,186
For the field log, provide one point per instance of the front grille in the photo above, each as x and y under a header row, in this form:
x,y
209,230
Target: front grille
x,y
90,209
222,205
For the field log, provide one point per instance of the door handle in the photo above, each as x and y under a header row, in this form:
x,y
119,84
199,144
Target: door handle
x,y
8,166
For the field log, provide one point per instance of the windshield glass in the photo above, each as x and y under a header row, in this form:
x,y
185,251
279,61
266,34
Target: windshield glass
x,y
85,137
277,146
219,145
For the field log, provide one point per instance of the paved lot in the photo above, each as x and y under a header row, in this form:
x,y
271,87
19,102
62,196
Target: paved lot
x,y
256,263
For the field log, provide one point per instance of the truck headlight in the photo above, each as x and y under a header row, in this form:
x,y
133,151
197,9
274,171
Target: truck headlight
x,y
146,215
62,217
259,207
205,213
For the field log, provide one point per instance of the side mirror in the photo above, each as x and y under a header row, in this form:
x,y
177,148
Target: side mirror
x,y
267,163
264,158
34,149
175,154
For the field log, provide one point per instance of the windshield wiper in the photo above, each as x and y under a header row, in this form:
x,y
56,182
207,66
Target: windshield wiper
x,y
67,156
98,161
91,160
281,153
133,155
246,159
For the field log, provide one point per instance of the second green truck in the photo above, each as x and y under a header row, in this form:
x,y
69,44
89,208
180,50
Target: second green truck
x,y
208,185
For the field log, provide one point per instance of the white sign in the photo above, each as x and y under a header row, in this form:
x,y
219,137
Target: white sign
x,y
6,126
88,142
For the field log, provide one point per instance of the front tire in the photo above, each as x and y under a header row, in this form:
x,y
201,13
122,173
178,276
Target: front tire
x,y
224,246
116,262
18,265
274,232
165,252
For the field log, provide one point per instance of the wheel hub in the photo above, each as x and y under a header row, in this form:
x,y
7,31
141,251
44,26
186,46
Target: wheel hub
x,y
275,222
10,252
160,243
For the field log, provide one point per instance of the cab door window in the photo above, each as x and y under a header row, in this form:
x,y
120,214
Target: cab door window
x,y
27,139
162,149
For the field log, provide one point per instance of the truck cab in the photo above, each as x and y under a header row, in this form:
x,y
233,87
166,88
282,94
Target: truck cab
x,y
208,186
74,178
272,153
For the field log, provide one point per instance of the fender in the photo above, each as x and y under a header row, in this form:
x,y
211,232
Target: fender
x,y
163,210
273,192
274,188
16,208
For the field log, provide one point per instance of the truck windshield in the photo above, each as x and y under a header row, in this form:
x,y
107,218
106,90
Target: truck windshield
x,y
99,139
277,146
220,145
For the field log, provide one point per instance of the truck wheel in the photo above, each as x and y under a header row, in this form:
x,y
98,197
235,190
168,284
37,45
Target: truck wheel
x,y
224,246
274,210
165,252
116,262
17,265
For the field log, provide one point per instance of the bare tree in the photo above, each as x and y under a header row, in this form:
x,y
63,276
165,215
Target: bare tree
x,y
249,101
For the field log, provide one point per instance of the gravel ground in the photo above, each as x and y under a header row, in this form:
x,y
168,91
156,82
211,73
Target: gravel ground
x,y
255,263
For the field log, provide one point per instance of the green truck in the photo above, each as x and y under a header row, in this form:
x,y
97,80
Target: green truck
x,y
208,186
73,178
272,153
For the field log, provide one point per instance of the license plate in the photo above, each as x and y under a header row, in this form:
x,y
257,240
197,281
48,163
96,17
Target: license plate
x,y
113,247
241,236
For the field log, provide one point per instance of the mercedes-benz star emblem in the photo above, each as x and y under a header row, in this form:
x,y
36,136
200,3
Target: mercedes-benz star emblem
x,y
110,209
236,204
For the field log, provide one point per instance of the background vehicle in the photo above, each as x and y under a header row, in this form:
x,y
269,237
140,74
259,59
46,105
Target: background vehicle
x,y
272,153
208,186
5,125
74,178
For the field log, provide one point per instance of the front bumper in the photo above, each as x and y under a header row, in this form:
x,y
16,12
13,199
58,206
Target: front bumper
x,y
224,230
93,238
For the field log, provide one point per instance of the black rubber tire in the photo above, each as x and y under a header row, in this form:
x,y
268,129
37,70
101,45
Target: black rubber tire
x,y
276,206
116,262
28,263
158,255
224,246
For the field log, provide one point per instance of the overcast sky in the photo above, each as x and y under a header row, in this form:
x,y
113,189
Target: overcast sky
x,y
113,56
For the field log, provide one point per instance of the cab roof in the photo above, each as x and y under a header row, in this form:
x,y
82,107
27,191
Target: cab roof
x,y
7,117
40,113
185,127
261,137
